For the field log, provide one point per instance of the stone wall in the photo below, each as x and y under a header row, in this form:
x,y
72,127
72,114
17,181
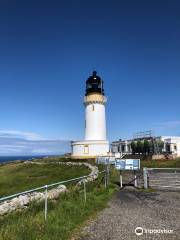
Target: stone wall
x,y
24,200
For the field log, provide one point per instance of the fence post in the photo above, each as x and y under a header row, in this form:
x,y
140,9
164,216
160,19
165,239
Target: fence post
x,y
120,179
105,179
145,178
176,181
135,179
107,174
45,209
84,182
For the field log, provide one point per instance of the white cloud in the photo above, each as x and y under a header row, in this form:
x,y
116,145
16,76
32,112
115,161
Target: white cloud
x,y
41,151
19,134
14,142
10,146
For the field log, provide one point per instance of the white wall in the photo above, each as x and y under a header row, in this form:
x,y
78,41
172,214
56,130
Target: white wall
x,y
94,149
178,148
95,122
173,141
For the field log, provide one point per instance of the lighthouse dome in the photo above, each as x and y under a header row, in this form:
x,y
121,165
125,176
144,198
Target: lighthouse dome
x,y
94,84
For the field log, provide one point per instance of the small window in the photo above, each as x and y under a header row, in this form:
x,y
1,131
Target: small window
x,y
175,147
86,149
93,107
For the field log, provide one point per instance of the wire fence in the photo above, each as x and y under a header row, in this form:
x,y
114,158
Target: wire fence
x,y
46,187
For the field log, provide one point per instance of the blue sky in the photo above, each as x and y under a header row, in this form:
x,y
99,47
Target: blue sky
x,y
49,48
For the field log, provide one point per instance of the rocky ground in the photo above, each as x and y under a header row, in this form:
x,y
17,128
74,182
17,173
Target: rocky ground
x,y
131,208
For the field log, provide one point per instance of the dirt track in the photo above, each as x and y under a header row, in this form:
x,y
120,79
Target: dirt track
x,y
132,208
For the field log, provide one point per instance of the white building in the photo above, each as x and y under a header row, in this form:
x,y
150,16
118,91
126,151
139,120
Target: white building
x,y
95,143
171,145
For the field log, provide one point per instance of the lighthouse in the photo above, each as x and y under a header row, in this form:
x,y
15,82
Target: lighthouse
x,y
94,102
95,142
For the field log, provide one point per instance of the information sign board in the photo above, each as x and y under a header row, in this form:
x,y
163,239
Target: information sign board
x,y
105,160
127,164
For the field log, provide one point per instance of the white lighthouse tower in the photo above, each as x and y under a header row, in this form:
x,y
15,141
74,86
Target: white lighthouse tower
x,y
95,143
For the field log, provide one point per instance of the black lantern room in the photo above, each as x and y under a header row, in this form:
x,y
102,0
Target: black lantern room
x,y
94,84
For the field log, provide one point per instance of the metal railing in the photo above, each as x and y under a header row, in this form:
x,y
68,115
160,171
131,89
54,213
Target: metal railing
x,y
162,178
45,187
164,169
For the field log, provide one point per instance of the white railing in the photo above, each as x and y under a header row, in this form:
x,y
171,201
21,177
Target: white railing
x,y
45,187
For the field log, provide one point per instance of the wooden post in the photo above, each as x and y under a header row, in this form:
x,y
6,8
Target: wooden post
x,y
120,180
105,179
145,178
107,173
135,179
45,207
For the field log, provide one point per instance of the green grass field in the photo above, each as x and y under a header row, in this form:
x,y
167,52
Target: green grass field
x,y
173,163
18,177
65,215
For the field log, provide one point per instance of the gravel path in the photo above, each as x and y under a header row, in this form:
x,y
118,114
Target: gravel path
x,y
131,208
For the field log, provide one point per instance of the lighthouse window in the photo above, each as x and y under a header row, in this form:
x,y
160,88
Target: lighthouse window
x,y
86,149
93,107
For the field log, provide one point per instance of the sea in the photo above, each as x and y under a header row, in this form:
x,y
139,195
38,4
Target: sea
x,y
14,158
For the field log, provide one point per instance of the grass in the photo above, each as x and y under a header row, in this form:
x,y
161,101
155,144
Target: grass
x,y
17,177
163,163
63,159
172,163
149,190
64,216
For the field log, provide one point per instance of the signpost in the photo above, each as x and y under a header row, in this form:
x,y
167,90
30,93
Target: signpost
x,y
105,160
127,164
121,165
